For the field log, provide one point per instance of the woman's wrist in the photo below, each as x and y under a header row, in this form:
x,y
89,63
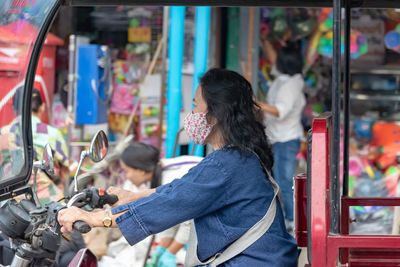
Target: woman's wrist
x,y
95,219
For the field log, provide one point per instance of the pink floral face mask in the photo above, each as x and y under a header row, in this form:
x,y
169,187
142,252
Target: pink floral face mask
x,y
197,127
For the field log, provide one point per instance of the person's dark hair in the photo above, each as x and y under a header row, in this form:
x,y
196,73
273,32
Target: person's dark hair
x,y
143,157
37,100
17,99
230,101
290,60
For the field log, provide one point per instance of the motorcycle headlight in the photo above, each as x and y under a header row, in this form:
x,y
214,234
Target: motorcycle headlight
x,y
13,220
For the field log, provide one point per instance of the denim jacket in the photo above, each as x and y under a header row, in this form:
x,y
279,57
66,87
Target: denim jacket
x,y
226,194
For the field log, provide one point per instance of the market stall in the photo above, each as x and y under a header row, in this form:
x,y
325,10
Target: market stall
x,y
374,96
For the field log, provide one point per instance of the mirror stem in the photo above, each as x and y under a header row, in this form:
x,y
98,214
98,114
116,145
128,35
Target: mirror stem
x,y
34,189
83,156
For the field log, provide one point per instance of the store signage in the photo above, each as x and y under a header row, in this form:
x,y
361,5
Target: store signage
x,y
139,35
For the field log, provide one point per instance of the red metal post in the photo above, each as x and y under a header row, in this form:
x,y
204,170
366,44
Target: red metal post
x,y
344,227
336,242
346,203
320,172
300,211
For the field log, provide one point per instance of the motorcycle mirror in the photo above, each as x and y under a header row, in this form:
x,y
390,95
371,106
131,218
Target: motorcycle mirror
x,y
97,151
46,165
48,160
98,147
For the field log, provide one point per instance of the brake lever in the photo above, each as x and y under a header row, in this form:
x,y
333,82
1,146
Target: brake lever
x,y
77,198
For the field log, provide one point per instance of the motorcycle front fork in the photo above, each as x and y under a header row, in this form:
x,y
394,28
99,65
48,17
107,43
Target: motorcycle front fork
x,y
19,261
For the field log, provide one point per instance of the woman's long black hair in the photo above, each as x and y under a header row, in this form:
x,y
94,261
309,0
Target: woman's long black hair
x,y
230,101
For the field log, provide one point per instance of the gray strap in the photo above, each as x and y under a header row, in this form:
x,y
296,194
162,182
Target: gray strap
x,y
242,243
251,236
191,254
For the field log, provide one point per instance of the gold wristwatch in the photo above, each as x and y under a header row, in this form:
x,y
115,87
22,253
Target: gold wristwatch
x,y
107,220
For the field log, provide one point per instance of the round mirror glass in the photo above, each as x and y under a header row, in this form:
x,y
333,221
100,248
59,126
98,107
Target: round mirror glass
x,y
99,147
48,161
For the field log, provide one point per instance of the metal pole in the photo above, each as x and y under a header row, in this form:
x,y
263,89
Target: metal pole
x,y
163,74
346,98
335,145
201,46
71,82
175,62
71,94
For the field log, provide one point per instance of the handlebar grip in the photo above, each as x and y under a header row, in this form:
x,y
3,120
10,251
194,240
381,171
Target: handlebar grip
x,y
110,199
82,227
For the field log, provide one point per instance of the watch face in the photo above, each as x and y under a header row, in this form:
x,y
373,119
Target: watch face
x,y
107,222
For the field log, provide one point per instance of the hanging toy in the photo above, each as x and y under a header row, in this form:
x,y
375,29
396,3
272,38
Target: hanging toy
x,y
325,21
392,39
312,50
358,44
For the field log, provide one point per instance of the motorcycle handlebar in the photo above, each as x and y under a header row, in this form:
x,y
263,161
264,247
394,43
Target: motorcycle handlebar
x,y
100,197
110,199
97,199
82,227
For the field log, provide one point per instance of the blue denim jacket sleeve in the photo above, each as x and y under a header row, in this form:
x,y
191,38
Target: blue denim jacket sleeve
x,y
201,191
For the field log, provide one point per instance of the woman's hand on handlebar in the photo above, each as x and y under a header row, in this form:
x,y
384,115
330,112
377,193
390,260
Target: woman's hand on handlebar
x,y
68,216
125,196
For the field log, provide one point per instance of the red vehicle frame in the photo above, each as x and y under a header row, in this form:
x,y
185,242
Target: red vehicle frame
x,y
322,211
333,248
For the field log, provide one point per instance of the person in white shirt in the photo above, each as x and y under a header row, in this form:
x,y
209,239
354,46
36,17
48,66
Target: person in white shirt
x,y
283,111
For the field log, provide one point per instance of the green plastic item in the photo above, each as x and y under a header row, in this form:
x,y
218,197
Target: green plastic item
x,y
134,23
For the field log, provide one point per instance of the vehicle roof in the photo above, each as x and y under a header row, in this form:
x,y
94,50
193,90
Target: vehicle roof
x,y
272,3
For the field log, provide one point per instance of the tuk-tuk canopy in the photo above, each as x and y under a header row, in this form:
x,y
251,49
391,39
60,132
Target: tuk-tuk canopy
x,y
272,3
22,32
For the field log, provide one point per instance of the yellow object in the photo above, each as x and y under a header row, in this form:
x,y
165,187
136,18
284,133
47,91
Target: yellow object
x,y
370,171
139,35
147,112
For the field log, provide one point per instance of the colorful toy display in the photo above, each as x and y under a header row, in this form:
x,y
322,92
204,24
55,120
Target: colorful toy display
x,y
321,42
358,44
392,39
123,72
362,128
385,133
151,111
392,175
124,98
325,21
374,171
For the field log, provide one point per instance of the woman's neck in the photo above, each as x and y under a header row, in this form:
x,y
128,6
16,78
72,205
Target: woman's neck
x,y
216,140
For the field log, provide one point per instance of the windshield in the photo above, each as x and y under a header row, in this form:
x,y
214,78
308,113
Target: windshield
x,y
20,24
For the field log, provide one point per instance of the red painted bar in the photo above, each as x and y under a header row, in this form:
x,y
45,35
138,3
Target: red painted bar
x,y
300,211
320,173
358,241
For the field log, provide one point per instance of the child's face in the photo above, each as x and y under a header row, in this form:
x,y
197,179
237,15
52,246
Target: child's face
x,y
136,176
